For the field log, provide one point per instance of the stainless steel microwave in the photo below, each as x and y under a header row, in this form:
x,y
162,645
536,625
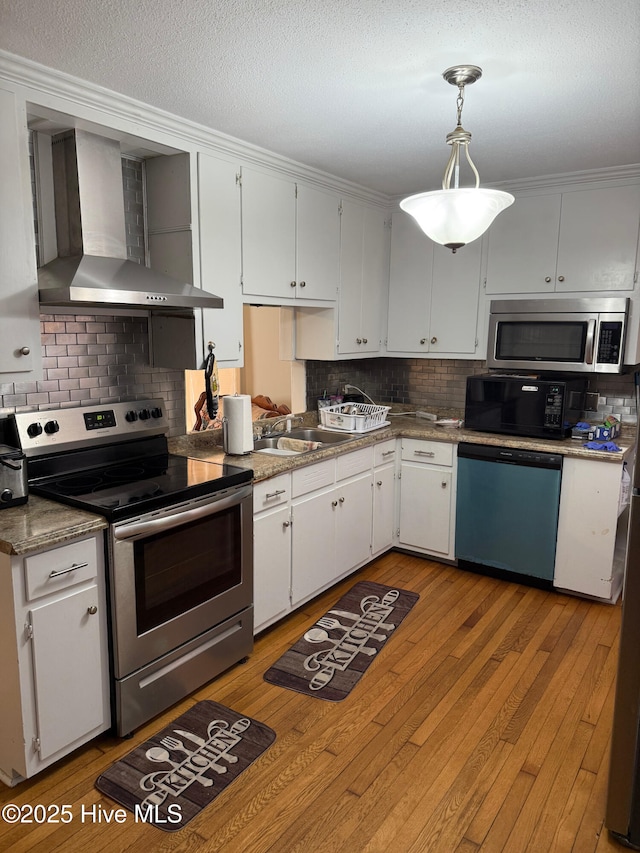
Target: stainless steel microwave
x,y
574,335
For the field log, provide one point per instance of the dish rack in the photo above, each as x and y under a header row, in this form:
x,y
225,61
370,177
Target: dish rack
x,y
368,417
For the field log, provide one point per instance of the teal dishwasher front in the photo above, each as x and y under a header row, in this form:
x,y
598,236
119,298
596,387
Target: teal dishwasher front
x,y
507,510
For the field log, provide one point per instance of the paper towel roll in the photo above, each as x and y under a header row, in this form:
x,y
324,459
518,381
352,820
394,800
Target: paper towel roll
x,y
238,427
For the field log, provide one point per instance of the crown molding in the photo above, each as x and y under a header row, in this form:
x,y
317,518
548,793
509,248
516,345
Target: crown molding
x,y
63,92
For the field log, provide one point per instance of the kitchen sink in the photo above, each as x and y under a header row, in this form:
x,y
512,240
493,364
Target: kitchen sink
x,y
269,444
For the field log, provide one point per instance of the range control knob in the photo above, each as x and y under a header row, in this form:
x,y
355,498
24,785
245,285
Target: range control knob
x,y
6,495
131,416
51,427
156,413
34,430
143,414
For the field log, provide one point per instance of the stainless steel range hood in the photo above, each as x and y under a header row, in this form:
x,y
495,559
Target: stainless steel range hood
x,y
92,269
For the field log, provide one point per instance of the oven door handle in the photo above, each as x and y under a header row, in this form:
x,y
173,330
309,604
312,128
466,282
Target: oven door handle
x,y
178,518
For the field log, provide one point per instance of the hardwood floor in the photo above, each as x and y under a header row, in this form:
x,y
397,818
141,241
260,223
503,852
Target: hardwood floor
x,y
483,726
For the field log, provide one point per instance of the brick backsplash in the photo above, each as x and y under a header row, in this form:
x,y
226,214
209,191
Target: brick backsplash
x,y
93,360
440,383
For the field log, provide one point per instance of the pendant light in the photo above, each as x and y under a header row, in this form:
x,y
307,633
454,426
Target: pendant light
x,y
455,216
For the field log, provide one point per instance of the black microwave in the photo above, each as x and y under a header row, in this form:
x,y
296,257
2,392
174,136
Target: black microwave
x,y
524,405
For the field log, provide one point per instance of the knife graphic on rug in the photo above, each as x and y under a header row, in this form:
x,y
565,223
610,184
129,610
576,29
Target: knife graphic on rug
x,y
193,738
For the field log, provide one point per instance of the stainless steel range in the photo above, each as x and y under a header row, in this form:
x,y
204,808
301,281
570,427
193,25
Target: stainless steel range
x,y
179,546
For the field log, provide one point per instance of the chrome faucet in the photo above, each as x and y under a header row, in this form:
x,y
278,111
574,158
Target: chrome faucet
x,y
288,420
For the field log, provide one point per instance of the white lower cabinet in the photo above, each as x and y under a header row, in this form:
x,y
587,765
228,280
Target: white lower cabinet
x,y
384,497
427,498
271,550
54,663
592,529
332,522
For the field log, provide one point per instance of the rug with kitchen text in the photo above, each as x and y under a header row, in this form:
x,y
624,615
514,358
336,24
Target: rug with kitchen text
x,y
169,779
331,656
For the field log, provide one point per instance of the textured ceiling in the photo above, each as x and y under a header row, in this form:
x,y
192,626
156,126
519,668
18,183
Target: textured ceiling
x,y
354,87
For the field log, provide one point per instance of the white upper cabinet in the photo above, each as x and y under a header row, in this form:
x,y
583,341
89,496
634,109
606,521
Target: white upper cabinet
x,y
354,327
290,239
363,277
20,351
579,241
433,294
221,256
317,243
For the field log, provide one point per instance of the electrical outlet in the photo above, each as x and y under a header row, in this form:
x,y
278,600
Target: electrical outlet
x,y
591,401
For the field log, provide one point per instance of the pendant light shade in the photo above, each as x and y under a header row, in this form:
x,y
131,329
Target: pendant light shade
x,y
455,216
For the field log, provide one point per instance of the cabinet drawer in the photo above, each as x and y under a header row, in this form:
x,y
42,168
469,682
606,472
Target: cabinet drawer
x,y
59,568
305,480
384,452
431,452
272,492
350,464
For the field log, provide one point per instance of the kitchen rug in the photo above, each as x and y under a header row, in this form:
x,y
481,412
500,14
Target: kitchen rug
x,y
331,656
169,779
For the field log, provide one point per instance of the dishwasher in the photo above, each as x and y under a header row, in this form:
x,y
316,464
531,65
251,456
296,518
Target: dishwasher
x,y
507,511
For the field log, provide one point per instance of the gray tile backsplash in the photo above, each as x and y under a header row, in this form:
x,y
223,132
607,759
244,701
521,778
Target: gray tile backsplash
x,y
93,360
432,383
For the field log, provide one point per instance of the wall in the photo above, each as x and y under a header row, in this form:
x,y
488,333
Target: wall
x,y
429,384
95,359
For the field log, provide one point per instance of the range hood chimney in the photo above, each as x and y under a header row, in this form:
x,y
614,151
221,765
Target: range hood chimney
x,y
92,269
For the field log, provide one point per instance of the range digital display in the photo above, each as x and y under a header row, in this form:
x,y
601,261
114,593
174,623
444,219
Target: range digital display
x,y
99,420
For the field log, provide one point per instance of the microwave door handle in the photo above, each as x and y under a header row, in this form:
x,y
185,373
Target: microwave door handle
x,y
182,516
591,339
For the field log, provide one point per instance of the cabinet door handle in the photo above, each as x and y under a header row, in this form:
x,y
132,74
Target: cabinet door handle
x,y
92,610
274,494
560,278
286,524
388,452
547,278
334,504
424,453
444,484
378,482
72,568
25,351
364,341
341,500
303,284
358,340
434,340
292,284
423,341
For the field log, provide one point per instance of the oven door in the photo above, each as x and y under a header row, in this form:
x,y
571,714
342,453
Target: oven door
x,y
178,572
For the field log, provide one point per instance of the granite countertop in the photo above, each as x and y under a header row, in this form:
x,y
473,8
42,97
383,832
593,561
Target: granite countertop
x,y
41,523
208,445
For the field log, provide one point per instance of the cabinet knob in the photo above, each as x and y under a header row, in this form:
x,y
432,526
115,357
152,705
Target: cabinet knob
x,y
444,484
292,284
286,524
560,278
378,482
303,284
364,340
547,278
92,610
434,340
341,500
358,340
25,351
334,504
423,341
